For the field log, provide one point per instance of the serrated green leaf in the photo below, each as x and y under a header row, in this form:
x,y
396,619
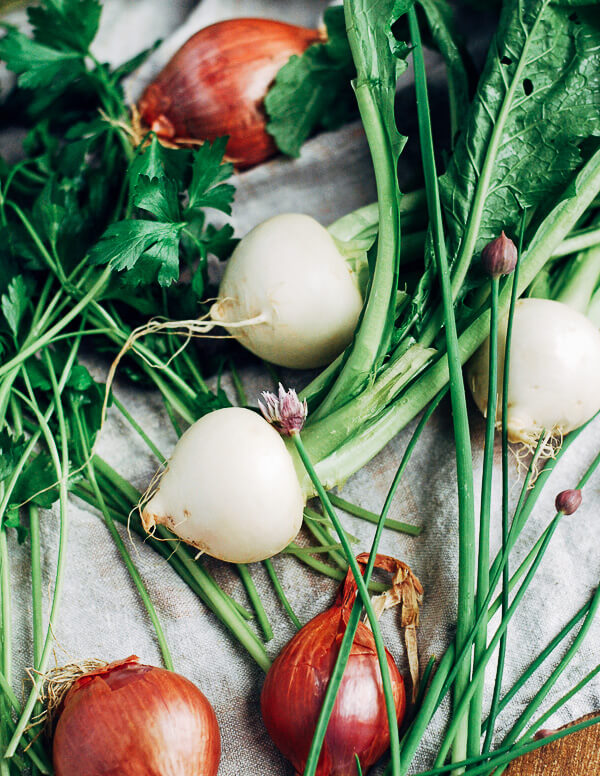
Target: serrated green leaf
x,y
39,65
14,303
66,24
12,519
149,162
36,483
123,243
208,171
11,449
158,196
537,101
314,89
79,379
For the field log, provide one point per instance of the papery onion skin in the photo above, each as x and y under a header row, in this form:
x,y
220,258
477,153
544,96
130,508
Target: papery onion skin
x,y
295,686
216,83
135,720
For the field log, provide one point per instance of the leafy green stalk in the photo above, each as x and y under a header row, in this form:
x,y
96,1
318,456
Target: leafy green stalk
x,y
376,68
257,604
268,564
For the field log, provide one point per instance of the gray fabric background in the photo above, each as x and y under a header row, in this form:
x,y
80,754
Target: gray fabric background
x,y
101,615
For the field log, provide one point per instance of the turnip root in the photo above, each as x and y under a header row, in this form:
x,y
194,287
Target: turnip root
x,y
554,380
287,278
230,488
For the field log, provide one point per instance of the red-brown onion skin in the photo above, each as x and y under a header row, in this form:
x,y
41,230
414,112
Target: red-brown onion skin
x,y
293,693
130,719
216,83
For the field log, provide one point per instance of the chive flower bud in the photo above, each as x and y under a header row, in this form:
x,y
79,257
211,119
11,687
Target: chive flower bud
x,y
286,412
500,256
568,501
544,733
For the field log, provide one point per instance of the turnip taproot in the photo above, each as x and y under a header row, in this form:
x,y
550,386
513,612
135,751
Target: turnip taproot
x,y
230,488
288,279
554,381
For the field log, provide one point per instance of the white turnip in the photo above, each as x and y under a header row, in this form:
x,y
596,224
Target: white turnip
x,y
288,280
230,488
554,370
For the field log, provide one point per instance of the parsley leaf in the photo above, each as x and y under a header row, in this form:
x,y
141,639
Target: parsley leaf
x,y
149,246
66,24
313,90
125,242
39,65
11,449
208,172
14,303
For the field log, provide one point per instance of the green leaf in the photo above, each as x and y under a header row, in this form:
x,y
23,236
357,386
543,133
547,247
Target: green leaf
x,y
126,242
39,65
79,379
208,171
537,101
313,90
12,519
66,24
208,402
149,162
11,450
158,196
14,303
36,483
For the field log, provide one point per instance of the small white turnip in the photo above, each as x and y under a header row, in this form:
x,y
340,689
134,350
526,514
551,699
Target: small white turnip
x,y
287,278
230,488
554,380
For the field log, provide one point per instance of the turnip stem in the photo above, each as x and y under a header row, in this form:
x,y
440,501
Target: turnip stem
x,y
483,560
464,462
364,594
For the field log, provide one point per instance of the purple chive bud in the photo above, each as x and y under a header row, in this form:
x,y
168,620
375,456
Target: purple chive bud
x,y
500,256
286,412
544,733
568,501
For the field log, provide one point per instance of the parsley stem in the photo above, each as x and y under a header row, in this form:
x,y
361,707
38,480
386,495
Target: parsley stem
x,y
254,598
116,536
62,471
138,429
268,564
47,336
36,583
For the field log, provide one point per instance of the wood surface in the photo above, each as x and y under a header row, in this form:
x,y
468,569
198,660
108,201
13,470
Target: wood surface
x,y
575,755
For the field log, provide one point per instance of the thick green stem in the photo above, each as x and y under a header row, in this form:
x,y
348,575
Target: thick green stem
x,y
257,604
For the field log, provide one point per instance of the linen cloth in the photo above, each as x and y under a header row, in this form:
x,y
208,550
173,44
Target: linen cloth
x,y
101,615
